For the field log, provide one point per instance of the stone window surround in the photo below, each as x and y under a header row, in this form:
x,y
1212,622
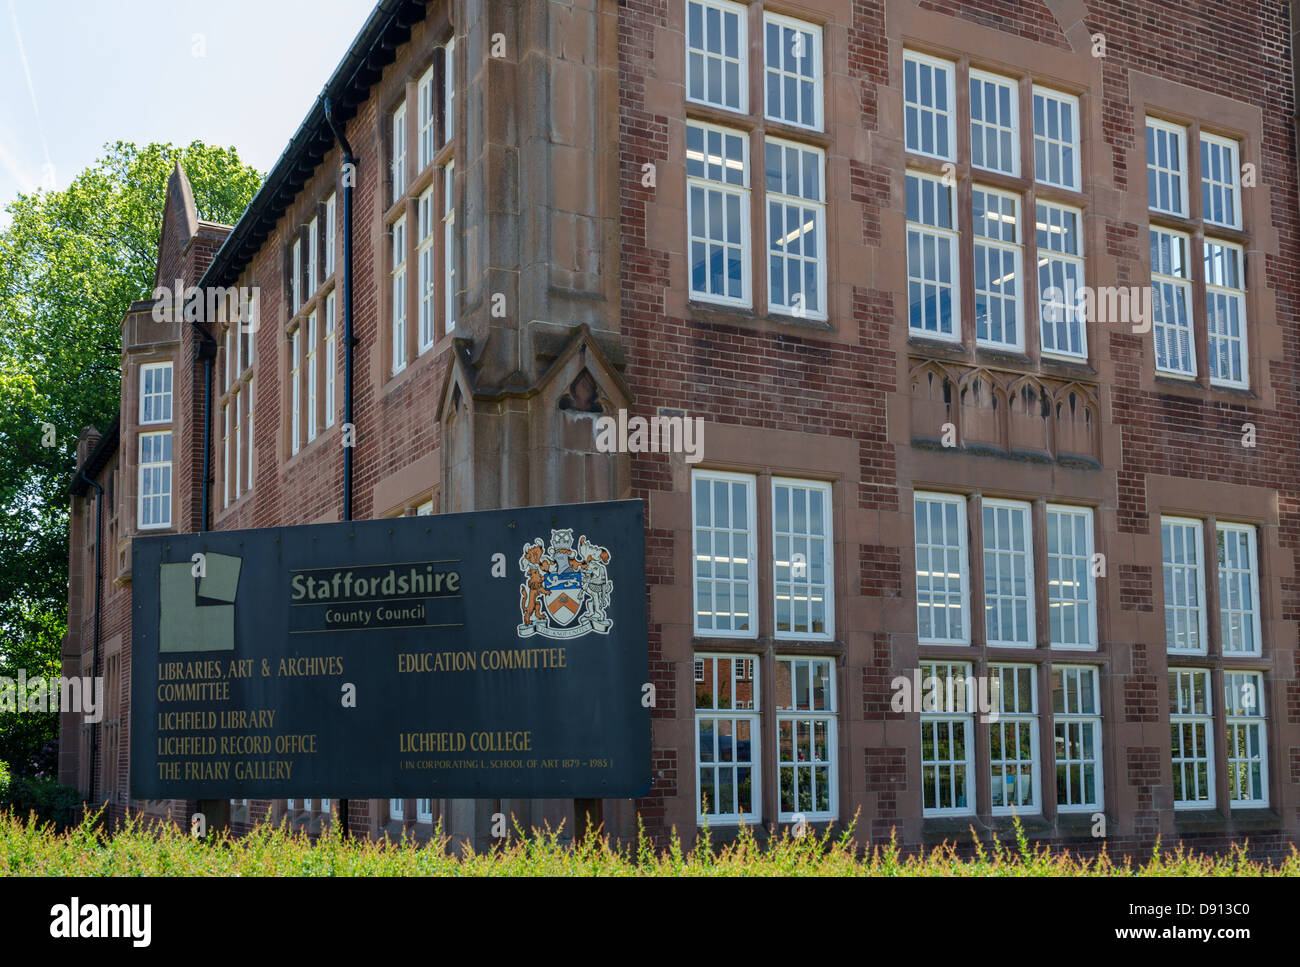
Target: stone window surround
x,y
981,656
395,89
1205,501
666,211
1222,117
765,454
1027,190
127,461
328,182
236,392
1079,73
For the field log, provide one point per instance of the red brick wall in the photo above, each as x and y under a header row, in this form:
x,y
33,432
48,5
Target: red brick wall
x,y
849,387
732,369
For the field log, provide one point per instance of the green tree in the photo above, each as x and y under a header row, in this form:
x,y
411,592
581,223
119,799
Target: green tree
x,y
71,263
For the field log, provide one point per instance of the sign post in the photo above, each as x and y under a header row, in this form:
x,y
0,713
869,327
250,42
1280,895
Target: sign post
x,y
498,654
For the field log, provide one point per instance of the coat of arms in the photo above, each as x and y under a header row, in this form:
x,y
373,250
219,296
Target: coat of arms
x,y
566,589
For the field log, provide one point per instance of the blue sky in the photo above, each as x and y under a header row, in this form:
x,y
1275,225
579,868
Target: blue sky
x,y
76,74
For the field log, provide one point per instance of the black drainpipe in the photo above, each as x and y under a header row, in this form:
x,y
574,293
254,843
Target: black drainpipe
x,y
349,342
99,574
206,350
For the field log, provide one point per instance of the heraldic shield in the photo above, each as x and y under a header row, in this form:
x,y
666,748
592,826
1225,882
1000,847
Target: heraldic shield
x,y
566,589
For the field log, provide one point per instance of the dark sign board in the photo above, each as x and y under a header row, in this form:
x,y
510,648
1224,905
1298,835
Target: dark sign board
x,y
481,655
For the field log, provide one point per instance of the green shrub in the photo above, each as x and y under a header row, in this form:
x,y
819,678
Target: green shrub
x,y
50,801
150,848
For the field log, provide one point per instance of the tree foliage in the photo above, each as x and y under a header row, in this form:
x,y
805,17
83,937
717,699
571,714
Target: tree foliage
x,y
71,263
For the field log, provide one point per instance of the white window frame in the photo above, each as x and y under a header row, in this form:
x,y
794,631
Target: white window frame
x,y
331,232
804,206
803,710
751,488
449,246
1245,713
297,276
163,396
1250,575
753,717
331,360
237,348
1016,250
741,60
1056,145
1011,718
427,118
397,810
725,189
815,55
1067,312
1181,569
1068,724
954,716
1217,337
424,811
963,561
1003,130
1178,719
449,90
426,278
295,380
806,584
398,293
248,417
1057,580
163,495
399,151
229,369
1212,186
935,234
234,403
311,375
1157,169
313,255
252,326
1027,555
931,111
226,464
1164,325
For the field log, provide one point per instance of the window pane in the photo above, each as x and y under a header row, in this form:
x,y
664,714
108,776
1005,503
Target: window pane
x,y
723,538
927,106
940,562
1007,572
1056,147
1180,542
715,54
994,124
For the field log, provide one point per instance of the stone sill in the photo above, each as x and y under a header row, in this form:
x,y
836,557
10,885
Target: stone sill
x,y
1237,820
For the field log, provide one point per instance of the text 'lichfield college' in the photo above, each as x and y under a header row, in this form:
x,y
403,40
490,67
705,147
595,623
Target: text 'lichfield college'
x,y
989,313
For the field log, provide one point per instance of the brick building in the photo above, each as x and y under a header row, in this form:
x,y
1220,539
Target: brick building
x,y
850,235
